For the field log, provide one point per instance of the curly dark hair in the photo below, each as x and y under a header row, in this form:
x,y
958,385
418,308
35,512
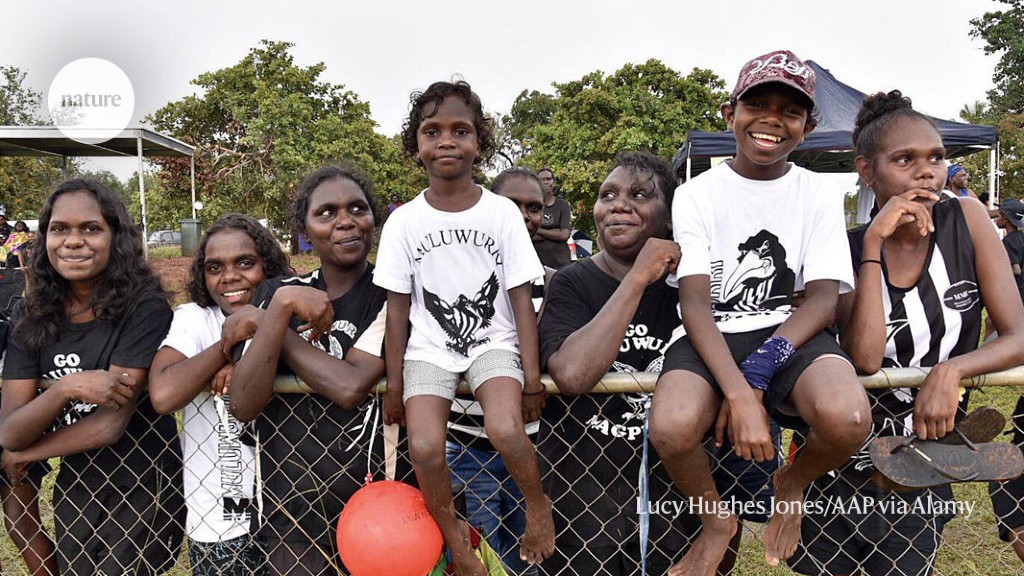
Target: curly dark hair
x,y
275,261
126,282
876,114
341,169
433,96
515,172
654,165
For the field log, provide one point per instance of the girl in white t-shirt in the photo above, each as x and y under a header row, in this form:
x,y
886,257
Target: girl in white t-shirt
x,y
458,265
190,373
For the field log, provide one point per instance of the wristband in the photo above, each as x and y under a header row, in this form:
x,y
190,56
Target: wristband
x,y
870,261
761,366
541,391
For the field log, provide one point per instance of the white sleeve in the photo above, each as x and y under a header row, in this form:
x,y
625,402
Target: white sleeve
x,y
393,270
827,252
518,254
371,340
690,230
187,330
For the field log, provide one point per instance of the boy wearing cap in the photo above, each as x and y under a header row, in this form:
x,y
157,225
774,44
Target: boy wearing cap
x,y
752,231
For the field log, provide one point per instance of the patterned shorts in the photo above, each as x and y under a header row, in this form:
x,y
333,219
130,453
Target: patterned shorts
x,y
426,379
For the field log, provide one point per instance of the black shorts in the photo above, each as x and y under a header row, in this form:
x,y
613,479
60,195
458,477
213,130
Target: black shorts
x,y
109,529
875,541
683,356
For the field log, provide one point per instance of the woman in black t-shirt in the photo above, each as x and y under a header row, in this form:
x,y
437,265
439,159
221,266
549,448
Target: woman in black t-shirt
x,y
93,319
327,328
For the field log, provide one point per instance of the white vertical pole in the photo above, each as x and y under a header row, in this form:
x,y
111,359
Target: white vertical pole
x,y
142,196
193,158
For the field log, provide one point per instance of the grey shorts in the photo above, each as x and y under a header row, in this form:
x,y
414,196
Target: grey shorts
x,y
426,379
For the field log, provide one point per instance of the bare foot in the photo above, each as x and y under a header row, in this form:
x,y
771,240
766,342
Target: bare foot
x,y
464,560
707,551
539,540
782,534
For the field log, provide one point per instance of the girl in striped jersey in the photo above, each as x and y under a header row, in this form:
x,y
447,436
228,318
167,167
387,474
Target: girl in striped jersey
x,y
925,269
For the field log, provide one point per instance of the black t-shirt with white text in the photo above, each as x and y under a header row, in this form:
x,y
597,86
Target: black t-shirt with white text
x,y
96,345
593,443
313,453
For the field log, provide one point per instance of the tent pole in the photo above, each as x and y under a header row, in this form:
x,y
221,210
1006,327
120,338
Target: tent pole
x,y
142,197
193,158
993,175
689,166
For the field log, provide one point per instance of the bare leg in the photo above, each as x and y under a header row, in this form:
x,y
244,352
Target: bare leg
x,y
501,400
426,417
683,410
729,560
25,527
833,403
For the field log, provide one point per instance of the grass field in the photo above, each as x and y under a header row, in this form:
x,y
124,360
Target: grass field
x,y
971,546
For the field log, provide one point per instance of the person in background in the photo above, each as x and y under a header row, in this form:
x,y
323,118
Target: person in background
x,y
555,226
957,179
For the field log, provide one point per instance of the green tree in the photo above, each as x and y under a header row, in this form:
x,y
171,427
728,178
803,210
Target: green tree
x,y
578,130
24,181
1002,32
259,127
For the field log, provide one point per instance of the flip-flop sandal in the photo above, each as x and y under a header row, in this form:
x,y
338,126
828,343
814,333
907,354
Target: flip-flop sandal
x,y
982,425
914,463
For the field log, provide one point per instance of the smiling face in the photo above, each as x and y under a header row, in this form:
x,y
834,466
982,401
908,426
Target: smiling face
x,y
630,209
339,223
527,195
447,141
909,156
232,269
78,239
768,122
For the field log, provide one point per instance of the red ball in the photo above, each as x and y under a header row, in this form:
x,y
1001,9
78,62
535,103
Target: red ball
x,y
386,529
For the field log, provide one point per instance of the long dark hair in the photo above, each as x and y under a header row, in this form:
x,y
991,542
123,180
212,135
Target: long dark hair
x,y
275,261
125,283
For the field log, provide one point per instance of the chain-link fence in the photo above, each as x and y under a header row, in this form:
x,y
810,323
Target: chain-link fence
x,y
285,479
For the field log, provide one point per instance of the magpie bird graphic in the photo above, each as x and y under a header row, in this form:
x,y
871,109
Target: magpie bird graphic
x,y
461,320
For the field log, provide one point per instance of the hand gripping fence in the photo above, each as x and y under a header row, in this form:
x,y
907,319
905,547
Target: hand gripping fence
x,y
339,455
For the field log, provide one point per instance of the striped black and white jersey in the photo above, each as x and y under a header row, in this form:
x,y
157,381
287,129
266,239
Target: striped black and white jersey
x,y
937,318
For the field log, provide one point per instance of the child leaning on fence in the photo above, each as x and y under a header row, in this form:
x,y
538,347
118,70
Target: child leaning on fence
x,y
326,328
751,232
90,325
190,373
458,264
924,270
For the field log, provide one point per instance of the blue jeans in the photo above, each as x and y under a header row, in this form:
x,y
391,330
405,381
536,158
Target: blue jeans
x,y
494,504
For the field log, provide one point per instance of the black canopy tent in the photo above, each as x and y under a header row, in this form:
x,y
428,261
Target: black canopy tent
x,y
829,147
138,142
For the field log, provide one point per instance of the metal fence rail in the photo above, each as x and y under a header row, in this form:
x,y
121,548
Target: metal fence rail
x,y
322,469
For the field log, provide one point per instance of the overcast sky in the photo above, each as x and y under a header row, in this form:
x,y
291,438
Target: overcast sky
x,y
382,50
